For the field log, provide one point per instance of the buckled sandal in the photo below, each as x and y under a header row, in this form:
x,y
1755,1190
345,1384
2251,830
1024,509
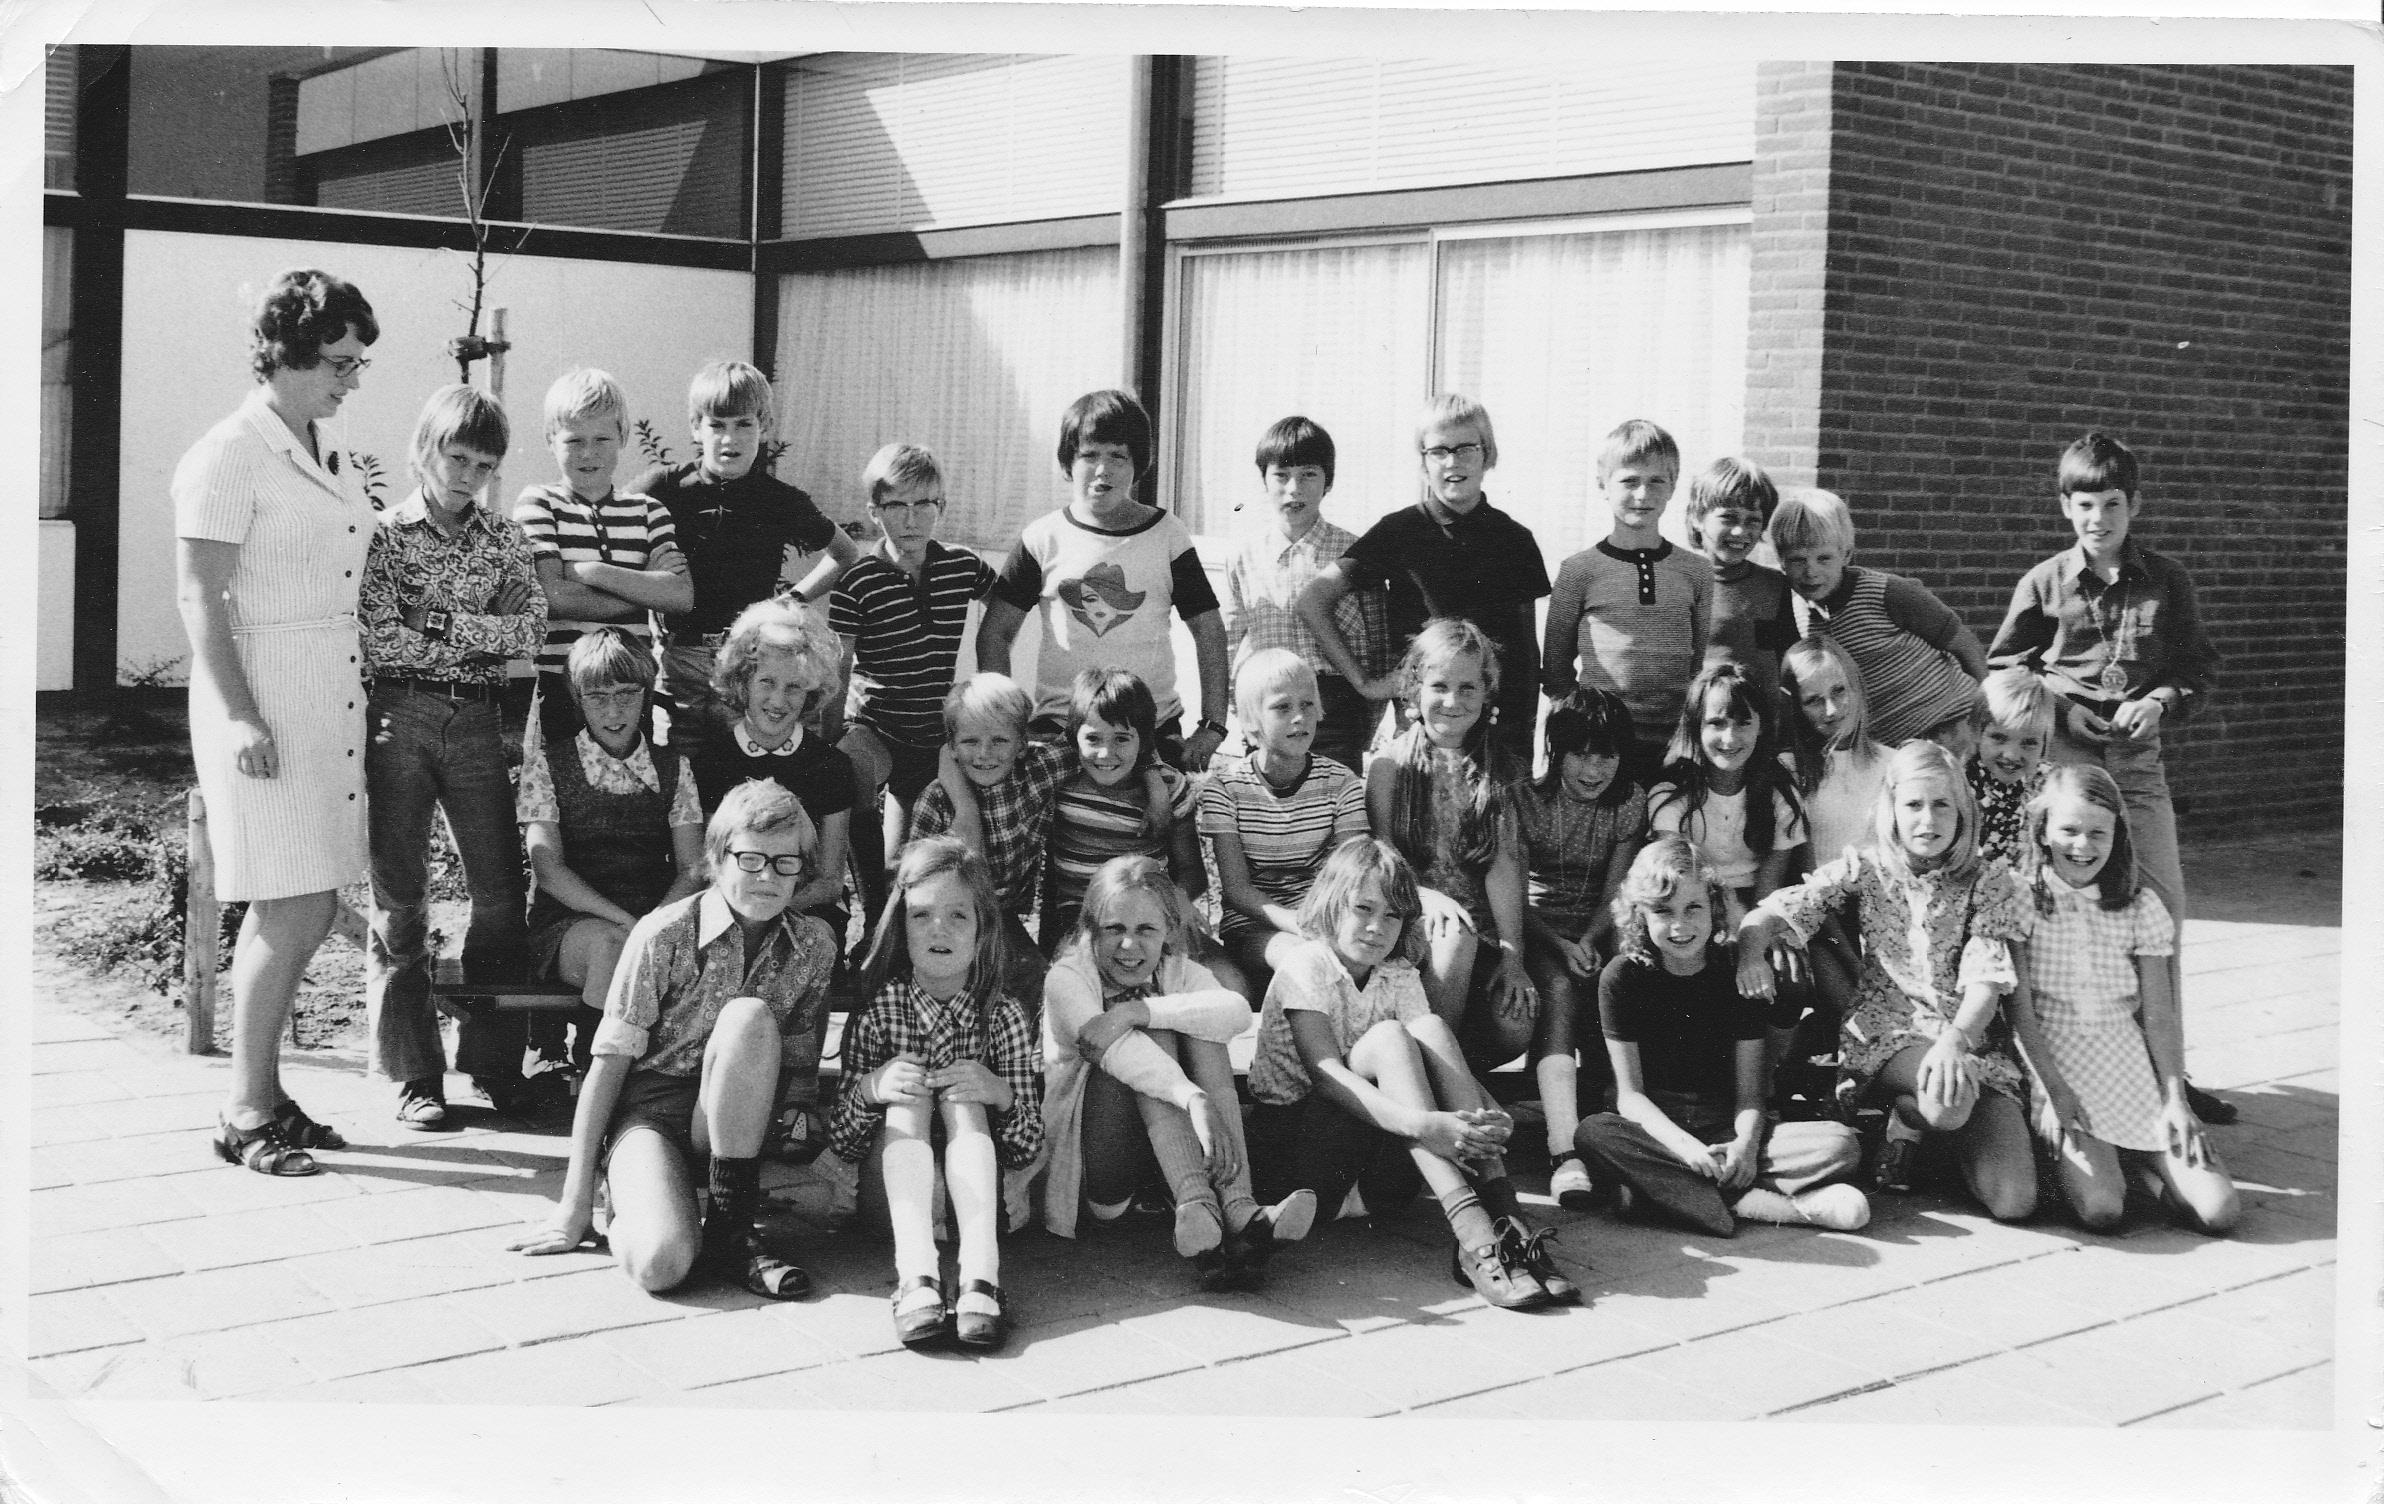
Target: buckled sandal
x,y
263,1149
981,1331
918,1323
742,1257
303,1132
1530,1249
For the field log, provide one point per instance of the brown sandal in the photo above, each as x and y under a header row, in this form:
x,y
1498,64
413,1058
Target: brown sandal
x,y
263,1149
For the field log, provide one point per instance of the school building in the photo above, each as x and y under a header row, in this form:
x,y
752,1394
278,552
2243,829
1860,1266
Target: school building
x,y
1911,283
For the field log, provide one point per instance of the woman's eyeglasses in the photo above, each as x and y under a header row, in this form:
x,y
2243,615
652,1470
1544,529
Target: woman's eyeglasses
x,y
788,865
344,366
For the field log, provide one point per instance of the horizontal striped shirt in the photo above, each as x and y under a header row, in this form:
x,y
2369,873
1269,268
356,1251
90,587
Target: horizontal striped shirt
x,y
906,637
624,529
1901,637
1092,825
1285,834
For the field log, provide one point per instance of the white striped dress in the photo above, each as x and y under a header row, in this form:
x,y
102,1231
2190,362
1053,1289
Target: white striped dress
x,y
302,529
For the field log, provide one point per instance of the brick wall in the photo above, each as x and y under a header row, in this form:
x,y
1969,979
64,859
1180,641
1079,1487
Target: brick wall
x,y
2015,254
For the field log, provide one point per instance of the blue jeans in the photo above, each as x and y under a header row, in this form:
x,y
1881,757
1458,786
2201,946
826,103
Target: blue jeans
x,y
2151,822
423,752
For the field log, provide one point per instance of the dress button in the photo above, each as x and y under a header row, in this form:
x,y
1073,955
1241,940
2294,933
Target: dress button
x,y
347,574
351,527
351,704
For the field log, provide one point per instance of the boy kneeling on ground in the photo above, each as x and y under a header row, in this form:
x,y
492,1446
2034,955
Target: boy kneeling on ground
x,y
714,1016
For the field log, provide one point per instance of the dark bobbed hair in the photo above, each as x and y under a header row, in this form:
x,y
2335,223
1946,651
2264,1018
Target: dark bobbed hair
x,y
1106,417
1766,780
889,949
1591,720
303,311
2118,881
1297,441
1121,699
2095,461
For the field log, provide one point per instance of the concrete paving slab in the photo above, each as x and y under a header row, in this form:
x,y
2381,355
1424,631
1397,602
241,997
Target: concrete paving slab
x,y
210,1300
207,1366
1967,1395
1880,1337
2091,1373
74,1320
578,1371
713,1347
71,1261
1083,1354
2300,1400
375,1338
1276,1384
74,1088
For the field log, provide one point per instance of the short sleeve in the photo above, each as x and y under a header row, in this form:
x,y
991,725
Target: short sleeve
x,y
1616,1017
662,530
215,489
1368,564
2154,932
844,613
640,979
1188,579
1308,983
1180,803
811,529
686,807
1408,1002
1216,808
1999,909
534,802
933,816
983,580
1986,962
537,523
1020,582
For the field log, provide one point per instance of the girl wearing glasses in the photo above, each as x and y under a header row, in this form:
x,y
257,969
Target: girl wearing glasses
x,y
610,822
714,1020
900,609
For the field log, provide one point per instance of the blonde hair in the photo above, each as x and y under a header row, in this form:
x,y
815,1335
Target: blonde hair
x,y
605,655
1451,410
2018,696
1925,759
1808,517
1805,746
776,625
1665,865
731,389
1122,876
585,394
462,415
1344,873
1487,769
898,465
987,695
926,858
758,807
1637,440
1264,672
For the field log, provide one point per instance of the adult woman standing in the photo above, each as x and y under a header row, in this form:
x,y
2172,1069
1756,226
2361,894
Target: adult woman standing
x,y
271,531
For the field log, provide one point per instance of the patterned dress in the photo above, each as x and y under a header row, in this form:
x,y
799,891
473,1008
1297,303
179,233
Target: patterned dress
x,y
2082,975
2003,809
1926,937
1439,868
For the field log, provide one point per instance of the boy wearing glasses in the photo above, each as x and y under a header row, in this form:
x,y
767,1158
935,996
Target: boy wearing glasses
x,y
1451,554
713,1019
899,609
741,528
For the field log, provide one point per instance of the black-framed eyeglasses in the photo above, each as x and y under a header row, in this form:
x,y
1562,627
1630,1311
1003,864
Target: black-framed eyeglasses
x,y
906,508
344,366
789,864
1441,454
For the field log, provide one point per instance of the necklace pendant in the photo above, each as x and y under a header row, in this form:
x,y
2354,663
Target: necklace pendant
x,y
2113,680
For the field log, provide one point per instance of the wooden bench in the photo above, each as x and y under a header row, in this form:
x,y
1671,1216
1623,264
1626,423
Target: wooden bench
x,y
508,989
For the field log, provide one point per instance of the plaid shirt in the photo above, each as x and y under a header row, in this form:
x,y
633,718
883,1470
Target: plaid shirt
x,y
1016,817
902,1019
1262,589
683,963
413,562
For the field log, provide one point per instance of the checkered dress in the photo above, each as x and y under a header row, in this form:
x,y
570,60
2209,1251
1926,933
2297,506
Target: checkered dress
x,y
902,1018
2082,973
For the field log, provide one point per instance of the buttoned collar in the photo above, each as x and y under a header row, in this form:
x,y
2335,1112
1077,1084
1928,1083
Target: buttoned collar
x,y
713,918
277,436
414,511
2077,569
751,748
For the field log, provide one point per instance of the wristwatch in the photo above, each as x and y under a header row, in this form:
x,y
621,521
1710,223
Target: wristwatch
x,y
434,625
1208,725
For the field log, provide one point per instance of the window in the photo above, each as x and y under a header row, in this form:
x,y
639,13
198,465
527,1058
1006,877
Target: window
x,y
57,369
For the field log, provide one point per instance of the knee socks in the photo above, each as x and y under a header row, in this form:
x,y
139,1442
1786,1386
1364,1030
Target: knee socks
x,y
1467,1219
736,1194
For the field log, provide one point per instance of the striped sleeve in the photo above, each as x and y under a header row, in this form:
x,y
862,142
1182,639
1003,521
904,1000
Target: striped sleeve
x,y
215,487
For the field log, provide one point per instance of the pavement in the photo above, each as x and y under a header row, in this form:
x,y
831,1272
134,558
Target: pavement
x,y
160,1274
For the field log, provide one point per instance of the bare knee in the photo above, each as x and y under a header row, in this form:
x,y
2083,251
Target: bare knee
x,y
744,1024
2007,1193
2100,1208
2212,1212
653,1264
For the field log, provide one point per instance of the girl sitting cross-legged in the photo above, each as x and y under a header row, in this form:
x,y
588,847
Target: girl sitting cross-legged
x,y
1358,1082
1687,1139
940,1049
1135,1068
1937,926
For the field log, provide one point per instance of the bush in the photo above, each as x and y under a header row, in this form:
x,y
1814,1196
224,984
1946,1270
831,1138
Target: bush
x,y
105,844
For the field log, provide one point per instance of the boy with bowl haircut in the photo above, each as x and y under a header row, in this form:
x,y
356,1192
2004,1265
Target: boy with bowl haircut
x,y
1451,554
449,597
1920,665
900,609
605,558
1630,614
739,526
2117,632
1754,612
714,1018
1263,585
1102,573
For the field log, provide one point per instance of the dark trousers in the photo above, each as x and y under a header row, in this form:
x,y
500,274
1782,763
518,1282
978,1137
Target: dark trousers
x,y
1315,1145
1795,1157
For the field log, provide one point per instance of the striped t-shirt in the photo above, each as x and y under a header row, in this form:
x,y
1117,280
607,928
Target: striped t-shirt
x,y
906,637
1287,834
1091,825
624,529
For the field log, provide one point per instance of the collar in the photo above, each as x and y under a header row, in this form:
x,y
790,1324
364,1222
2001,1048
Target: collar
x,y
1068,513
751,748
714,918
1448,520
1662,550
2077,570
415,511
883,552
258,409
927,1006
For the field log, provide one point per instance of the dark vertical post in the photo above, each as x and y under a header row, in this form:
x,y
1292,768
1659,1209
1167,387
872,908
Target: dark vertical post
x,y
102,167
767,121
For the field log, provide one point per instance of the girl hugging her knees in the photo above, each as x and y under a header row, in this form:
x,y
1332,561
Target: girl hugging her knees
x,y
1135,1069
1937,927
939,1048
1687,1140
1442,794
2098,1022
1359,1083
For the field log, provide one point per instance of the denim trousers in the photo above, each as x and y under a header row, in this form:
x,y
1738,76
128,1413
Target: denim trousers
x,y
2151,822
426,752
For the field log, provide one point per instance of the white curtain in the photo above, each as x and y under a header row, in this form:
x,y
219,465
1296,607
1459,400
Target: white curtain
x,y
974,357
1337,334
1562,336
57,370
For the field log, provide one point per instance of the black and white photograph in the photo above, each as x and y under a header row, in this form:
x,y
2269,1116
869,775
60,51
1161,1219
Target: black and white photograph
x,y
1086,751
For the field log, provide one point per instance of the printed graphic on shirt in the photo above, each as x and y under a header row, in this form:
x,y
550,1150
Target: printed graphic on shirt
x,y
1100,599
